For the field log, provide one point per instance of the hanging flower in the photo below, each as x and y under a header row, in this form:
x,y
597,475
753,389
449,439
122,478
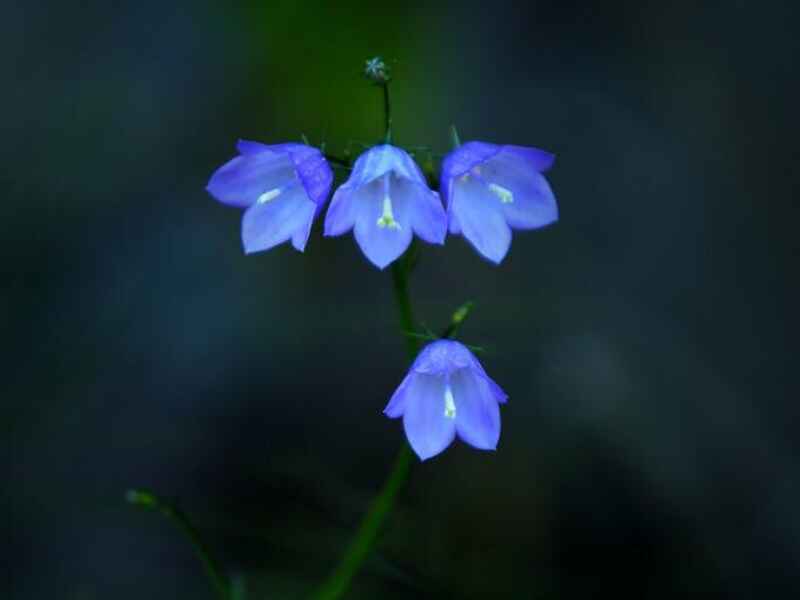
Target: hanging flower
x,y
283,187
447,393
385,201
490,189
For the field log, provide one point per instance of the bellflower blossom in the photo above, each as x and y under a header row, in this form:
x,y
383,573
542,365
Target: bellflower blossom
x,y
283,187
490,189
447,393
386,200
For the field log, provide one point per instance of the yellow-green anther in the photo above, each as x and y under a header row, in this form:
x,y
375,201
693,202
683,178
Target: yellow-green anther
x,y
505,195
449,403
387,218
267,196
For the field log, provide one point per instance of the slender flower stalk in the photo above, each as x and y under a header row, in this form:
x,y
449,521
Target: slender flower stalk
x,y
368,530
387,109
387,201
370,526
148,500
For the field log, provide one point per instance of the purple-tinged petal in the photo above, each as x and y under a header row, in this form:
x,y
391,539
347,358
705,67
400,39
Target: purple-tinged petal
x,y
301,234
441,357
272,222
453,226
383,220
280,184
477,414
379,160
251,147
481,219
427,428
427,217
534,205
530,201
536,158
341,215
497,392
381,246
397,403
385,201
242,180
312,169
483,184
466,156
446,391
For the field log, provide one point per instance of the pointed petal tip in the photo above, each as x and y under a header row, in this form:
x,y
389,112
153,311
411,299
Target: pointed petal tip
x,y
498,255
250,249
424,454
376,262
329,230
494,259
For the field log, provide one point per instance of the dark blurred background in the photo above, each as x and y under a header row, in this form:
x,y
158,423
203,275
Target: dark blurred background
x,y
649,447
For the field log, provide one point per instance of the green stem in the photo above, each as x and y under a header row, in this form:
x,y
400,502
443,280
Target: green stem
x,y
387,111
400,271
371,524
368,530
342,162
150,501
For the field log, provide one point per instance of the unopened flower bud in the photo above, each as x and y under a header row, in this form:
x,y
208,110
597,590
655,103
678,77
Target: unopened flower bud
x,y
377,71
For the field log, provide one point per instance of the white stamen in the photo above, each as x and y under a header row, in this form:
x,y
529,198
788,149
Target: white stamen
x,y
387,218
449,403
267,196
505,195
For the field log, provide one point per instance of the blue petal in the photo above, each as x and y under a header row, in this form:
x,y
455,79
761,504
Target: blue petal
x,y
386,200
428,218
242,180
312,169
397,403
453,225
481,219
250,147
427,428
341,215
379,160
301,235
442,357
461,160
533,204
381,245
268,224
477,412
537,159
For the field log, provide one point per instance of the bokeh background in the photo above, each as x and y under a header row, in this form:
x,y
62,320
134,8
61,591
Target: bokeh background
x,y
647,341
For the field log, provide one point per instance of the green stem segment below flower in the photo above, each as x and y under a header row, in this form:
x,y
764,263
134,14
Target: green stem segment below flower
x,y
150,501
368,530
400,272
370,526
387,111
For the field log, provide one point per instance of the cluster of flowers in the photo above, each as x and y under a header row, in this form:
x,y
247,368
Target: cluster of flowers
x,y
488,189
